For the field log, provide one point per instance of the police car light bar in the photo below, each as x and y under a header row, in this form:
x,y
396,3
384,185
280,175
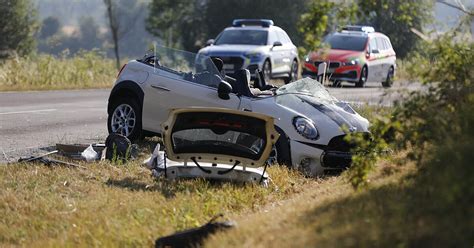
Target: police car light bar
x,y
366,29
252,22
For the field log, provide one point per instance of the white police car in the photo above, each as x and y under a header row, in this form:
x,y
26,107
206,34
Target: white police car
x,y
255,44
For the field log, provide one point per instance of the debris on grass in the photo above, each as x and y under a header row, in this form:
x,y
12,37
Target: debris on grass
x,y
194,237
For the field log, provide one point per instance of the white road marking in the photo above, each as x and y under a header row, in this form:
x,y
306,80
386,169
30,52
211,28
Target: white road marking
x,y
28,111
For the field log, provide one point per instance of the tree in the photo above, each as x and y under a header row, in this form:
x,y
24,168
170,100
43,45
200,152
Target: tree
x,y
89,34
188,24
49,27
285,14
17,27
122,16
321,18
179,23
396,19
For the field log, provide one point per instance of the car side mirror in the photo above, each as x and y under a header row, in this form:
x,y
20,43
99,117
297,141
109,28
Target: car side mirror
x,y
223,90
210,42
277,43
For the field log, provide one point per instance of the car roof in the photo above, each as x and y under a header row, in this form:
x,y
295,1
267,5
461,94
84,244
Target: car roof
x,y
359,33
252,28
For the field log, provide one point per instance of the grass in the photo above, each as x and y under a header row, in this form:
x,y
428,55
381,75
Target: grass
x,y
402,207
107,205
45,72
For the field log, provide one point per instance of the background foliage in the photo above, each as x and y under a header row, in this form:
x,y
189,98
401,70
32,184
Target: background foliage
x,y
17,27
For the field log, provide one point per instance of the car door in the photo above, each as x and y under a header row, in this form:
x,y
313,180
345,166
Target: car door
x,y
287,57
374,65
167,90
384,58
276,52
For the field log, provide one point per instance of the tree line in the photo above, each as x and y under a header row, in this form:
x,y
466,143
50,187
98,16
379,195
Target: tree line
x,y
187,24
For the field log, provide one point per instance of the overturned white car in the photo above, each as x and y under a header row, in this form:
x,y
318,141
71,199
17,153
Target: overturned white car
x,y
312,124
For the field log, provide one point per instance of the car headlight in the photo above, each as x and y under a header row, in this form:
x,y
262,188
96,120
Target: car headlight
x,y
305,127
351,62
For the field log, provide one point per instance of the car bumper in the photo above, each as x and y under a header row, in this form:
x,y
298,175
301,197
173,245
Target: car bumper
x,y
313,161
343,73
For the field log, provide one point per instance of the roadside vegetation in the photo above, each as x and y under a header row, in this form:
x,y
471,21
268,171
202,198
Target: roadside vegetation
x,y
47,72
411,183
107,205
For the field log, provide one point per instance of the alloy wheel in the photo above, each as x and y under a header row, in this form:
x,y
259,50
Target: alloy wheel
x,y
123,120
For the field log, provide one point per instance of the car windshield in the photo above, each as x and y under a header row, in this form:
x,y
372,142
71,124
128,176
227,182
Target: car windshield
x,y
189,66
242,37
306,86
346,42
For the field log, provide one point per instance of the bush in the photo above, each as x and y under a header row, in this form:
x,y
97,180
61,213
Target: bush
x,y
423,123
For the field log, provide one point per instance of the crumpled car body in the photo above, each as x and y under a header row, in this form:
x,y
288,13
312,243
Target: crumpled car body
x,y
312,124
218,144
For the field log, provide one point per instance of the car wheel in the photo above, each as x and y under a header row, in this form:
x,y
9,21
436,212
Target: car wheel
x,y
283,152
267,71
293,73
363,77
389,81
126,118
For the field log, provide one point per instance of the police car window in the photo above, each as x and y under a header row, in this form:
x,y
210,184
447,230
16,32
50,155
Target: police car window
x,y
373,44
387,43
287,37
380,44
283,37
272,37
243,37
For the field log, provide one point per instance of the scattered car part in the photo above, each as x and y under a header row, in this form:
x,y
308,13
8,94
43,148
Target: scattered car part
x,y
194,237
119,148
48,161
74,151
89,154
217,144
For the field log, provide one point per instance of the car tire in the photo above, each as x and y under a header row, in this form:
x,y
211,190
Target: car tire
x,y
389,80
283,151
126,118
363,77
267,71
293,73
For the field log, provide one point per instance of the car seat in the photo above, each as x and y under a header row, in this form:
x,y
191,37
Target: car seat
x,y
241,85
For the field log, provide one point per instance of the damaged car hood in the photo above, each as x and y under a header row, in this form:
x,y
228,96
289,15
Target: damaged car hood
x,y
221,136
311,99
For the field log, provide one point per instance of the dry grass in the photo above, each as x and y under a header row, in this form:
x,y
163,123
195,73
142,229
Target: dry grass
x,y
329,214
46,72
110,206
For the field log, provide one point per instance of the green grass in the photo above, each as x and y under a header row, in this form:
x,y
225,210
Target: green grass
x,y
46,72
107,205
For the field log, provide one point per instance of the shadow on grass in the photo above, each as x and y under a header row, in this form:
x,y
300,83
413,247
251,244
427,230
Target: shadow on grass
x,y
410,215
168,188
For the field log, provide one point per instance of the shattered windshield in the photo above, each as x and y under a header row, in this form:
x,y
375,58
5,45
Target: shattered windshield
x,y
306,86
185,65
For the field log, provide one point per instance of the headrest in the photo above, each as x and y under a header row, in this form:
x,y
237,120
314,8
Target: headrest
x,y
243,74
218,63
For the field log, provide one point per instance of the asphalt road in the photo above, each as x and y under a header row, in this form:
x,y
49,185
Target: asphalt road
x,y
32,120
